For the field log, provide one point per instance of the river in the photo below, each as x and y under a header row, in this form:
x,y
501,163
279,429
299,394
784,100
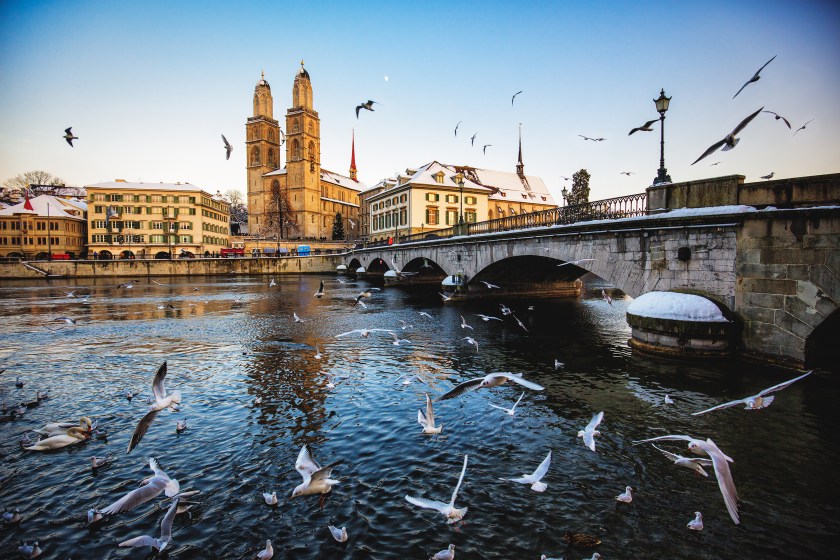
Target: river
x,y
228,341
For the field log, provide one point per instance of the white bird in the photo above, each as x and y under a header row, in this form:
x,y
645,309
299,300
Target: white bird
x,y
257,400
267,553
270,499
165,532
162,400
156,484
446,554
424,314
73,436
445,297
271,283
668,399
759,400
509,411
488,381
536,477
489,285
317,354
626,496
11,516
57,428
505,309
97,462
127,285
558,364
339,535
589,432
694,463
320,292
486,318
696,524
404,325
32,550
729,140
296,318
720,462
94,516
364,333
575,262
316,479
449,510
65,320
71,294
181,426
464,324
428,421
398,340
471,340
606,297
519,322
331,381
755,77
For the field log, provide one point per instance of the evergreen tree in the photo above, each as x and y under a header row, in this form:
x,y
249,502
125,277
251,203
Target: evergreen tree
x,y
338,228
580,188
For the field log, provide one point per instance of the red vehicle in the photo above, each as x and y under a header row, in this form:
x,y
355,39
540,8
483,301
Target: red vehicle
x,y
60,257
232,252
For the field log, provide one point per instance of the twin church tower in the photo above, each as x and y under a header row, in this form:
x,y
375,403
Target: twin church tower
x,y
300,199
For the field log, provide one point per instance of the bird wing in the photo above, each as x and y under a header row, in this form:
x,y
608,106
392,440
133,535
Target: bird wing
x,y
324,473
227,144
460,480
305,464
421,419
665,438
596,420
743,124
67,130
357,110
765,64
157,382
720,406
519,399
542,469
742,88
724,478
141,429
430,412
781,386
166,524
499,407
672,456
428,504
141,541
589,439
523,382
714,147
462,388
347,333
136,497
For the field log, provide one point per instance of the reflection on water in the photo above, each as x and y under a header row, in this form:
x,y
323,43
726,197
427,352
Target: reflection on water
x,y
231,341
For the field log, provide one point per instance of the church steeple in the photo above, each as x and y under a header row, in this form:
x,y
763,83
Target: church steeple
x,y
353,158
520,166
302,90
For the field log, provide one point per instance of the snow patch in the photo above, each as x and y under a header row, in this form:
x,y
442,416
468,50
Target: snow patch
x,y
672,305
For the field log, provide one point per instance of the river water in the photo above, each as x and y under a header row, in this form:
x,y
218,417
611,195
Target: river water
x,y
228,341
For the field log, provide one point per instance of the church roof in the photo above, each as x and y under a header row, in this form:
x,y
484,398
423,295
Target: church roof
x,y
58,208
328,177
125,185
262,82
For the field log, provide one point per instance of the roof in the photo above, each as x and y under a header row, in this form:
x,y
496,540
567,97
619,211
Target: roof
x,y
46,205
125,185
342,180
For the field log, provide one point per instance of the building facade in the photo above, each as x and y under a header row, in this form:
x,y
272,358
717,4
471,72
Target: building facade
x,y
155,220
301,199
43,226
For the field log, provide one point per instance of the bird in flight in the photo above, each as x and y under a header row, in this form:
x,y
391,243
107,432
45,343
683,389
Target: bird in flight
x,y
755,77
472,140
729,141
488,381
645,127
456,128
593,139
628,173
778,117
589,432
489,285
368,106
228,147
715,163
514,97
536,477
68,135
452,513
484,148
803,126
759,400
768,177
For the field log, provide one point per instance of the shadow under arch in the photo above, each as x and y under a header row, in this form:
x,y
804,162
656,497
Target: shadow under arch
x,y
821,344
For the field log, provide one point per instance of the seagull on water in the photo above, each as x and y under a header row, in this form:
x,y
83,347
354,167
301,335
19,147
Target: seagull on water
x,y
94,516
267,553
156,484
696,524
759,400
755,77
729,141
626,496
30,550
271,283
488,381
445,554
316,479
449,510
181,426
317,355
428,421
165,532
694,463
97,462
509,411
589,432
270,499
11,516
535,478
339,535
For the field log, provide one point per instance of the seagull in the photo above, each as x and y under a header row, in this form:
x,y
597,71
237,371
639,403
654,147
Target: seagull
x,y
66,320
71,294
509,411
271,283
127,285
668,399
715,163
464,324
181,426
755,77
161,401
320,292
352,223
720,462
626,496
645,127
165,532
489,285
472,140
339,535
778,117
803,126
488,381
449,510
97,462
558,364
270,499
296,318
694,463
11,516
505,309
729,140
316,479
94,516
456,128
486,318
428,421
267,553
628,173
404,325
519,322
445,297
368,106
317,355
589,432
398,340
424,314
535,478
446,554
759,400
30,550
768,177
593,139
514,97
471,340
484,148
68,135
228,147
565,178
606,296
696,524
364,333
156,484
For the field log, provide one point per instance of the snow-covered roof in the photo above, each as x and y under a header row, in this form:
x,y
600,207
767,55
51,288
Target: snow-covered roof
x,y
673,305
342,180
46,205
275,172
128,186
354,205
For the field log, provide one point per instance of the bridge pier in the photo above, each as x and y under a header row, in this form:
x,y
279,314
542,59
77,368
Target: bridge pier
x,y
522,290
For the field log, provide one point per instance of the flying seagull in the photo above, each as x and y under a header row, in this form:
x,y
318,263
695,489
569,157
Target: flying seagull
x,y
768,177
156,484
514,97
316,479
472,140
488,381
165,532
320,292
161,401
694,463
509,411
628,173
759,400
368,106
778,117
535,478
428,421
645,127
803,126
484,148
729,141
755,77
593,139
589,432
68,135
456,128
489,285
228,147
452,513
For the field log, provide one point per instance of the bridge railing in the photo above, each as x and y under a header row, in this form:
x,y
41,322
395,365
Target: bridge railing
x,y
610,208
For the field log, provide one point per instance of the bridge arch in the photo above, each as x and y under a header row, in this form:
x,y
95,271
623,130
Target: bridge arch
x,y
821,344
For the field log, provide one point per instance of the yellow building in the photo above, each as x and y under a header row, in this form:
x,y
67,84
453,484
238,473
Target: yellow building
x,y
43,226
300,200
155,220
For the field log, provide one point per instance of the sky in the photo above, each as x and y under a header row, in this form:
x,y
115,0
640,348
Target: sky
x,y
149,87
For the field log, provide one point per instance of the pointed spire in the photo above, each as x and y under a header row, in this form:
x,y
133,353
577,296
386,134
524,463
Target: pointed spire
x,y
520,166
353,158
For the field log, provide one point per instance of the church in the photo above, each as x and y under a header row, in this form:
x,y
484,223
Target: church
x,y
301,199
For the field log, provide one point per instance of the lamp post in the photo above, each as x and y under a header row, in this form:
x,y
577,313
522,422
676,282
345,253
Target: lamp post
x,y
662,103
565,193
461,199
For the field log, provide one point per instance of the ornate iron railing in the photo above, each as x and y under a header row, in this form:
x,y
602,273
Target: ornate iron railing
x,y
611,208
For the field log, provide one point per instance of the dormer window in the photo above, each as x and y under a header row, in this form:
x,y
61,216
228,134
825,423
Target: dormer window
x,y
438,177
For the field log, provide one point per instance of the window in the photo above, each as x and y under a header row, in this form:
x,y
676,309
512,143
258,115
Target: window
x,y
98,209
403,216
452,198
470,216
432,197
403,198
432,216
451,216
296,125
255,156
438,177
469,200
295,149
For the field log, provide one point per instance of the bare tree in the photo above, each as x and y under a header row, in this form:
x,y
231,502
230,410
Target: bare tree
x,y
279,215
39,182
238,209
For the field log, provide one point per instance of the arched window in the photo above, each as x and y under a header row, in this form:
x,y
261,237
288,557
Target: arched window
x,y
297,125
271,161
310,128
312,151
295,150
271,135
255,156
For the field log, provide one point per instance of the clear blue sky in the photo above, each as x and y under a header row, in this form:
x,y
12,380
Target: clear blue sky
x,y
149,86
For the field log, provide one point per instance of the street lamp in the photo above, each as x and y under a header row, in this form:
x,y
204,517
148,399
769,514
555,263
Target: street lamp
x,y
461,199
565,193
662,106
